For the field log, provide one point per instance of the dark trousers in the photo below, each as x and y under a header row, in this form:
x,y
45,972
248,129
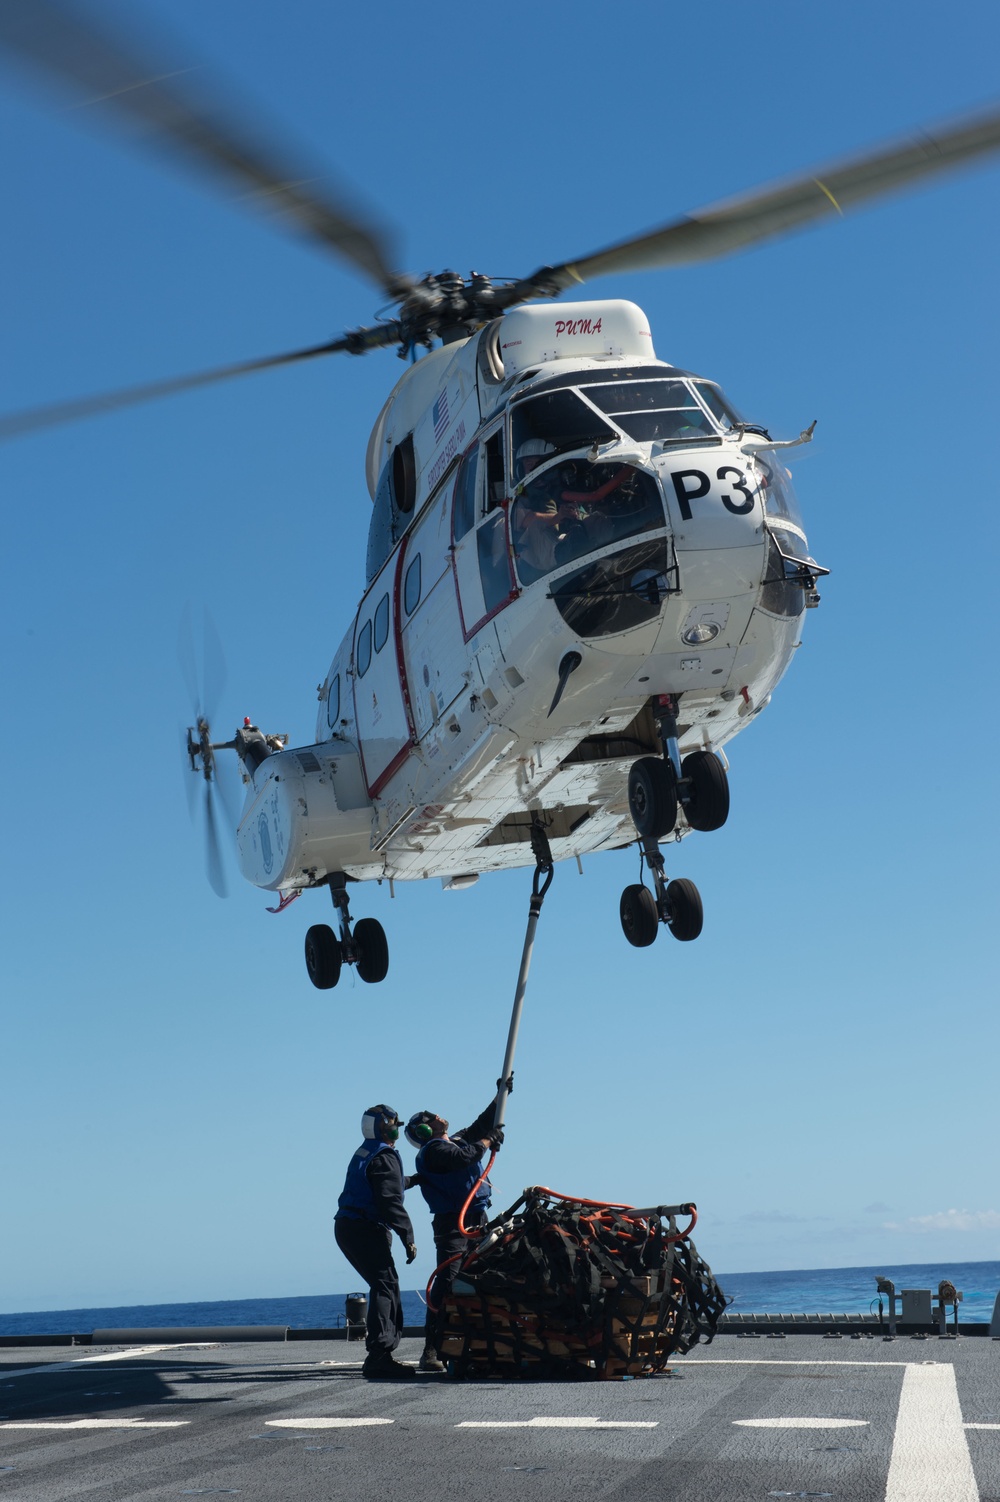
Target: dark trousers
x,y
368,1248
449,1246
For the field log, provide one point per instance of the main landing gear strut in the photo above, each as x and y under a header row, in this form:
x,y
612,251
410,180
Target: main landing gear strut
x,y
657,788
366,947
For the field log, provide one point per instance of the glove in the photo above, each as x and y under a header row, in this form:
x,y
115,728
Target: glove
x,y
509,1083
411,1252
496,1138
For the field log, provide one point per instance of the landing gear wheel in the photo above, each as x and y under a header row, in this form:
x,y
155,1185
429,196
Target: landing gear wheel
x,y
640,920
685,913
323,956
652,797
373,950
708,791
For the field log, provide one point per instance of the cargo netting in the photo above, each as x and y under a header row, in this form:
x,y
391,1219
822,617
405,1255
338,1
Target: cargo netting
x,y
569,1288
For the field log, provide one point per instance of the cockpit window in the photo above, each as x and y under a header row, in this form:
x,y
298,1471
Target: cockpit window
x,y
654,411
553,424
780,501
717,404
574,508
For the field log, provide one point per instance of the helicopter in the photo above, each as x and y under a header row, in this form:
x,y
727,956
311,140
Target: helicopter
x,y
586,572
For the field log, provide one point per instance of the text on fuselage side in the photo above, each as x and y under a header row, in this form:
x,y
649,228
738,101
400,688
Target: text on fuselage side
x,y
446,455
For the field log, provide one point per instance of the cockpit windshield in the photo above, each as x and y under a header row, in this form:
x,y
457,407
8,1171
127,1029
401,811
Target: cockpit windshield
x,y
654,411
665,409
550,424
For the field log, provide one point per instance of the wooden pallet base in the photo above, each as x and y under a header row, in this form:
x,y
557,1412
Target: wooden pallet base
x,y
490,1335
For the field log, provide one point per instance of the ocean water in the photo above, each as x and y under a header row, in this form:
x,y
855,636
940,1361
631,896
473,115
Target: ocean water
x,y
829,1290
851,1290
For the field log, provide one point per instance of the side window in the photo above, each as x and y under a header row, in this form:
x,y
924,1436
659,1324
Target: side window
x,y
494,565
364,654
333,702
404,476
495,487
411,586
381,623
465,495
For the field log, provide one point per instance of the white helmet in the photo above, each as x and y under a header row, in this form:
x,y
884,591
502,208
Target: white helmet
x,y
533,448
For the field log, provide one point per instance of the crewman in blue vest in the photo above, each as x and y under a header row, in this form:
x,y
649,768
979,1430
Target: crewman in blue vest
x,y
368,1211
447,1171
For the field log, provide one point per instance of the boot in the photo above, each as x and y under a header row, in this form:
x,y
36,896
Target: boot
x,y
380,1366
430,1361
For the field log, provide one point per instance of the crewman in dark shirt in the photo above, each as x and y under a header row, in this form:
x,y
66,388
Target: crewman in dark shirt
x,y
368,1211
447,1171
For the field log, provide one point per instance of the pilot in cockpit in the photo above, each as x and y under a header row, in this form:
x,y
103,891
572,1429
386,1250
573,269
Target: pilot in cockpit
x,y
571,509
536,520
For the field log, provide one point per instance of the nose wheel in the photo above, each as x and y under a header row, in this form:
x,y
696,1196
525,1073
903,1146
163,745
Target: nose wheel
x,y
677,904
659,787
366,947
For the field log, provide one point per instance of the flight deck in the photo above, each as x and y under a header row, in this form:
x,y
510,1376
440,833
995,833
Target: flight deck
x,y
908,1420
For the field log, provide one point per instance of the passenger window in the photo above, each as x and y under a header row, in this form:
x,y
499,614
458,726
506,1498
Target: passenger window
x,y
333,702
381,623
411,586
465,495
364,654
494,564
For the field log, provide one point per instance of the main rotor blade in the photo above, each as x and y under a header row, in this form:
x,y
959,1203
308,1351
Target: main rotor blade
x,y
739,222
67,44
19,423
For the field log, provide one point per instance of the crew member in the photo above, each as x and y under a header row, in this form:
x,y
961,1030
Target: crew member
x,y
447,1171
368,1211
540,519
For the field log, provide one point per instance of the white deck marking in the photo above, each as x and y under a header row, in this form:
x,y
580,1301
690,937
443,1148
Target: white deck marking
x,y
778,1361
132,1351
930,1457
802,1423
95,1424
324,1423
556,1423
981,1426
69,1366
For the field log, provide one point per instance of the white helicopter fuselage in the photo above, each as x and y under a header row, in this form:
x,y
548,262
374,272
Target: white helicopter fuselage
x,y
664,554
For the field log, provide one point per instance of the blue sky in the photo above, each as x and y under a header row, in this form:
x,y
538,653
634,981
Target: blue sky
x,y
178,1102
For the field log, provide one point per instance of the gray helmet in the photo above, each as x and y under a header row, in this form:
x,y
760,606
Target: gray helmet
x,y
380,1124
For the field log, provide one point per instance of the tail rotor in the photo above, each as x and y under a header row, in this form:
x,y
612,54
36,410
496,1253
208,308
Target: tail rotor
x,y
204,690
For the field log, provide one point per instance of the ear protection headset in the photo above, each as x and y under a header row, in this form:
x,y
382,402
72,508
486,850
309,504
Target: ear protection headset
x,y
419,1129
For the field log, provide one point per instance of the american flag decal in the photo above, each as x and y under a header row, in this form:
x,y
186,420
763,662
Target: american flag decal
x,y
439,414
